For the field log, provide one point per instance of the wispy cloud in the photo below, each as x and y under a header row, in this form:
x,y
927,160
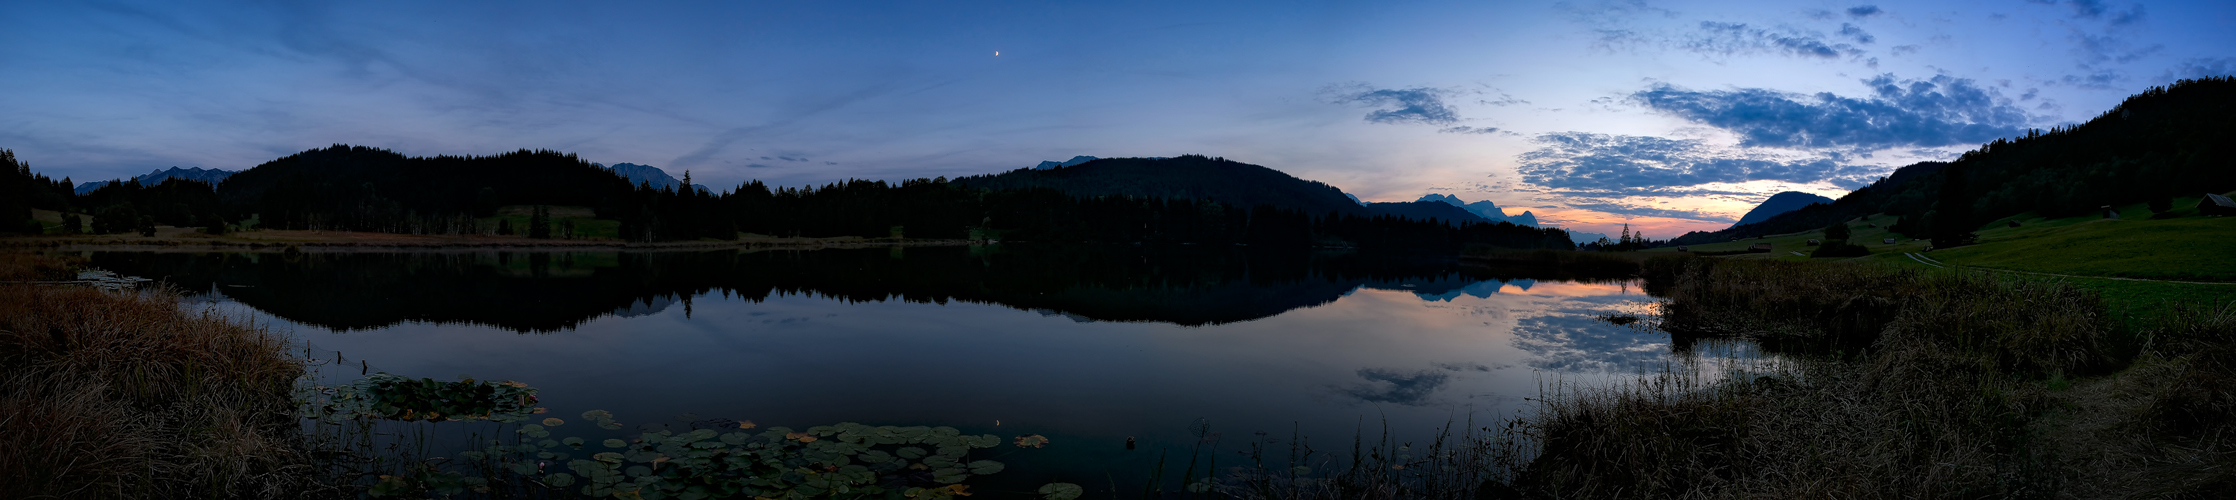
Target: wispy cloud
x,y
1414,105
1740,38
1629,165
1938,111
2201,67
1391,386
1862,11
1469,130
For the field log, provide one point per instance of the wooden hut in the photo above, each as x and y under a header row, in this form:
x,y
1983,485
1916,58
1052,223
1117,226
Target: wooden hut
x,y
1760,248
1815,243
2213,204
2014,223
1889,241
2109,213
1683,248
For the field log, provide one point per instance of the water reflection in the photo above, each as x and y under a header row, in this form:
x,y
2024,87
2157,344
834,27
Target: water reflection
x,y
548,291
1087,346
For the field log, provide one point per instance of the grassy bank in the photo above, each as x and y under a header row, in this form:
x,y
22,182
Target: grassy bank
x,y
126,395
1903,384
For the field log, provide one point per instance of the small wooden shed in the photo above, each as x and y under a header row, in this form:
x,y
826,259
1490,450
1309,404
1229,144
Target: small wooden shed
x,y
1683,248
2213,204
1760,247
1815,243
2109,213
2014,223
1889,241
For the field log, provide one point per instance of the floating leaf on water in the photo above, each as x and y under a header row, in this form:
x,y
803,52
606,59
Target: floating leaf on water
x,y
874,457
985,441
799,436
1061,491
616,443
1032,441
745,424
573,441
950,476
560,480
984,467
597,415
910,453
553,422
639,471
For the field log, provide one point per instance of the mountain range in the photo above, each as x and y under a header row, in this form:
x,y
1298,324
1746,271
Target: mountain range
x,y
209,175
1780,203
2164,142
647,174
1485,209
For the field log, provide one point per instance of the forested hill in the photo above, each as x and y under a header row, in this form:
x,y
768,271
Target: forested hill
x,y
356,188
2177,140
376,188
1184,177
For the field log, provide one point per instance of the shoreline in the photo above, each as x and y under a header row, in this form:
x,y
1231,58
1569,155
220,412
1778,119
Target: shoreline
x,y
335,241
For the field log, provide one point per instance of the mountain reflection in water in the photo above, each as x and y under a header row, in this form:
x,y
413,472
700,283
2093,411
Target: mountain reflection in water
x,y
1088,346
550,291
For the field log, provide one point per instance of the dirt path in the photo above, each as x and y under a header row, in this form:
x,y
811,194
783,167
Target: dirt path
x,y
1922,259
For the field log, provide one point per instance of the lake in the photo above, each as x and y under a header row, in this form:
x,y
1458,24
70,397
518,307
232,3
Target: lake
x,y
1085,345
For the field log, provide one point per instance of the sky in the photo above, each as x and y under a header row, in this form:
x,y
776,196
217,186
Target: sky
x,y
1668,116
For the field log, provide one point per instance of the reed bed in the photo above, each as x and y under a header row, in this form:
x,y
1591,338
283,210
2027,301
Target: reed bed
x,y
1902,384
127,395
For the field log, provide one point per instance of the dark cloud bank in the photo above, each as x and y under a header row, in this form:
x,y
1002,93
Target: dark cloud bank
x,y
1940,111
1641,165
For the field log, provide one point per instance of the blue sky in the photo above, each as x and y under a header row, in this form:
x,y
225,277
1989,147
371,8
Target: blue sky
x,y
1673,116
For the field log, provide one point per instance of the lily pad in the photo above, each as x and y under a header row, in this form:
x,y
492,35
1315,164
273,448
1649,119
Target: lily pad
x,y
984,467
1032,441
1061,491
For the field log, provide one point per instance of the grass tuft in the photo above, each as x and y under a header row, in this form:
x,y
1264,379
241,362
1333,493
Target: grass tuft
x,y
127,395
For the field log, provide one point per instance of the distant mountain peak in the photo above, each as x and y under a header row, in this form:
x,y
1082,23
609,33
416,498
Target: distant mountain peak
x,y
1485,209
647,174
1780,203
1045,165
157,176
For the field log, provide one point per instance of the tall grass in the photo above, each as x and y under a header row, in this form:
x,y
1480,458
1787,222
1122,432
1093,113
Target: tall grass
x,y
127,395
1903,384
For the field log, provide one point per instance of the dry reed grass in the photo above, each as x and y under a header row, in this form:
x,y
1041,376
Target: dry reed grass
x,y
1911,385
127,395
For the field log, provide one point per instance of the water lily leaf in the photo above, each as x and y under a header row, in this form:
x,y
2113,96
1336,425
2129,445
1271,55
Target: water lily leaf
x,y
1032,441
1061,491
639,471
985,441
608,457
616,443
573,441
745,424
560,480
874,457
950,476
910,453
553,422
735,438
984,467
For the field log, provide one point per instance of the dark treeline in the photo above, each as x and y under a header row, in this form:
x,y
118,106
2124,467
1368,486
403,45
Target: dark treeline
x,y
21,190
2165,142
356,188
548,291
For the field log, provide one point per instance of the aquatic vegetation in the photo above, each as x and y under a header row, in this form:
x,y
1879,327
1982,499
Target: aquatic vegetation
x,y
847,460
386,396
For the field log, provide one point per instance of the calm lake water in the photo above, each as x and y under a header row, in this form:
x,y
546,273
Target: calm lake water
x,y
1088,346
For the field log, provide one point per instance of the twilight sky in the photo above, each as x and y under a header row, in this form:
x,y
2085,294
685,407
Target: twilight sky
x,y
1673,116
